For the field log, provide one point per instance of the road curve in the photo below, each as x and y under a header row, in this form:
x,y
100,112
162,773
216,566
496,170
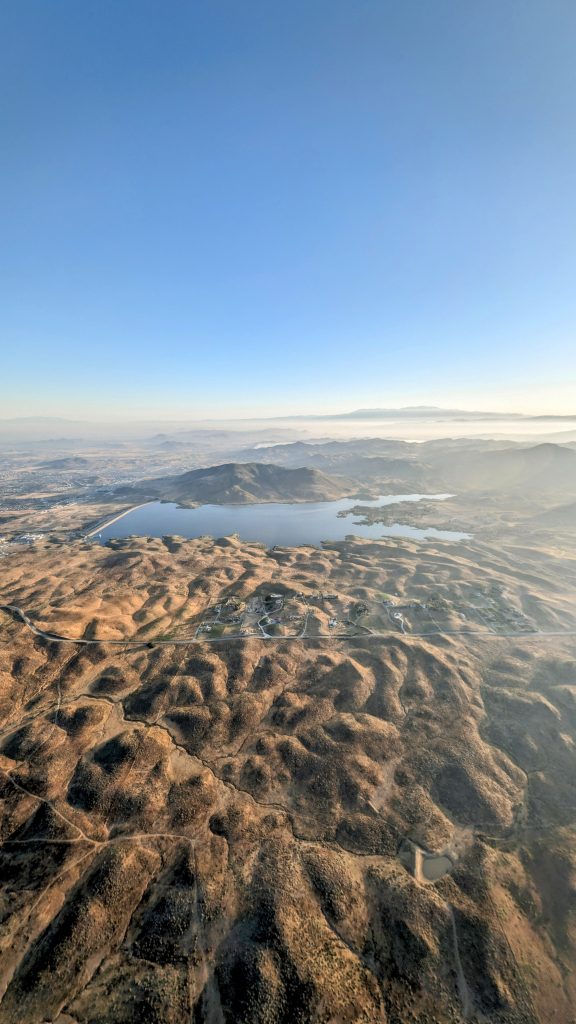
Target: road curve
x,y
20,615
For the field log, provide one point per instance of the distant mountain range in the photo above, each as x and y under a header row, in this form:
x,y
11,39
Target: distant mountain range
x,y
460,463
546,471
424,412
173,426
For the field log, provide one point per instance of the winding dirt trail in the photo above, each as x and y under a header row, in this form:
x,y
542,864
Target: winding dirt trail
x,y
463,990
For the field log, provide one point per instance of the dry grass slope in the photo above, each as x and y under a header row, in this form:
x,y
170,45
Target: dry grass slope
x,y
211,832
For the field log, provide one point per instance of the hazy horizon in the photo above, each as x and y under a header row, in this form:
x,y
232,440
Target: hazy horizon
x,y
412,424
359,413
326,411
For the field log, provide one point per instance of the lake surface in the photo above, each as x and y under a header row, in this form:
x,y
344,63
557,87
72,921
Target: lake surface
x,y
271,523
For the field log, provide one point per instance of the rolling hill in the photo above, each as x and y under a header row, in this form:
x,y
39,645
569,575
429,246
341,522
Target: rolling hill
x,y
235,483
460,464
67,462
543,469
561,517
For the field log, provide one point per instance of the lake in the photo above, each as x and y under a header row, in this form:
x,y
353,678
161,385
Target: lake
x,y
272,523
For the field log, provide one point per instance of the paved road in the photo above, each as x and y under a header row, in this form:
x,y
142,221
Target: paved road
x,y
20,615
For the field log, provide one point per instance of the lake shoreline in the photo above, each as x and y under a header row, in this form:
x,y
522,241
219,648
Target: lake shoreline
x,y
284,524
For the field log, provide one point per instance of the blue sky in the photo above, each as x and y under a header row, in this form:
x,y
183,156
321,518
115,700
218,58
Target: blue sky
x,y
211,207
